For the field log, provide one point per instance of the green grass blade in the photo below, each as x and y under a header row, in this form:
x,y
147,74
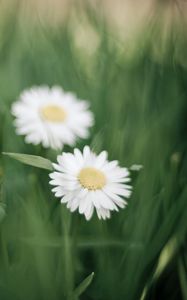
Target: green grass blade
x,y
83,285
183,278
2,212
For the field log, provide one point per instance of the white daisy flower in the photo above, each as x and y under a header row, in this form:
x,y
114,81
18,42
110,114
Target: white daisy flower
x,y
51,117
85,181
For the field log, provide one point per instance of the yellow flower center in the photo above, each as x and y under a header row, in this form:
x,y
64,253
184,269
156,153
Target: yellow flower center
x,y
92,179
53,113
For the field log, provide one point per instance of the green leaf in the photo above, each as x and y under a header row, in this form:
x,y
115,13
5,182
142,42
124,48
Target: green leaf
x,y
83,285
32,160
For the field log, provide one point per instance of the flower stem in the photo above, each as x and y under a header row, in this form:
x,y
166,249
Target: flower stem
x,y
67,253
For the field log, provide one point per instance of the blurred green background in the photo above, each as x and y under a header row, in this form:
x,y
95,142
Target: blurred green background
x,y
136,82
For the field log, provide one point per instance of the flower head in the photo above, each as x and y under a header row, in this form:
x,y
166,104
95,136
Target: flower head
x,y
85,181
51,117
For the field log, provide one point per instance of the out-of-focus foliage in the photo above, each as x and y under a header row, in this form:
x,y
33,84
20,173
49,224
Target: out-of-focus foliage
x,y
138,92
